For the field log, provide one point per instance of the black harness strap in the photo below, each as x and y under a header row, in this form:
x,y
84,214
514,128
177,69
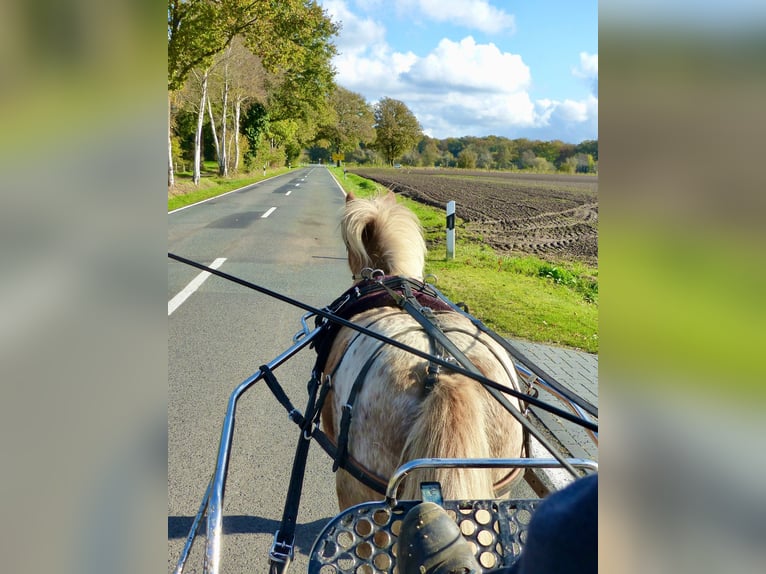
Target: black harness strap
x,y
514,351
280,395
364,476
281,553
370,294
348,408
428,325
433,370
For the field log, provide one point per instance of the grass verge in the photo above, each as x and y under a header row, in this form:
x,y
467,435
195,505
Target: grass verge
x,y
185,192
518,297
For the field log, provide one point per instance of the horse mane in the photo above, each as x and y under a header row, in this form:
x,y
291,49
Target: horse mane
x,y
382,234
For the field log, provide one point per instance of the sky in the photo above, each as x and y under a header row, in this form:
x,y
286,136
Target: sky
x,y
476,67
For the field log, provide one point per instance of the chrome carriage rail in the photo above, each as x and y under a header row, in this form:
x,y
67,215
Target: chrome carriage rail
x,y
476,512
212,502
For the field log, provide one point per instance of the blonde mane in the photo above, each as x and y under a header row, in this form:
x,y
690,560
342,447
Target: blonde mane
x,y
381,234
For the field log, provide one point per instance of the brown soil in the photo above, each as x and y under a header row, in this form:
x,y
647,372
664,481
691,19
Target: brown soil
x,y
549,215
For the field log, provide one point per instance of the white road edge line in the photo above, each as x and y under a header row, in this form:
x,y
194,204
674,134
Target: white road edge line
x,y
227,193
340,187
269,212
193,285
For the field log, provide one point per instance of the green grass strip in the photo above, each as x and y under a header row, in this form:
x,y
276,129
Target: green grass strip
x,y
518,297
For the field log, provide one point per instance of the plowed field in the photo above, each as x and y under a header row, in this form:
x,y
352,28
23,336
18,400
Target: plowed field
x,y
552,216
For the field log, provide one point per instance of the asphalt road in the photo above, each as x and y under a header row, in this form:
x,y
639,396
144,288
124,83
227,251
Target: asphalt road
x,y
222,333
282,234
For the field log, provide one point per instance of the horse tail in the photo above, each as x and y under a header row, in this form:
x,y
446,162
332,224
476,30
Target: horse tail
x,y
453,423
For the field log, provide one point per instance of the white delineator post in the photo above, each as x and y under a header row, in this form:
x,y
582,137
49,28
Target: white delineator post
x,y
451,230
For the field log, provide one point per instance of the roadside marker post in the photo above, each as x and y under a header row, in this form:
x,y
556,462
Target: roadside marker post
x,y
451,230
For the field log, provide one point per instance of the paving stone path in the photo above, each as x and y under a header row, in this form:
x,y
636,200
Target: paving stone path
x,y
577,371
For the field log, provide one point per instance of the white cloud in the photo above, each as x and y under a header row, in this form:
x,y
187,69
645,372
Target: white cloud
x,y
588,70
357,34
472,14
460,87
588,67
472,66
570,120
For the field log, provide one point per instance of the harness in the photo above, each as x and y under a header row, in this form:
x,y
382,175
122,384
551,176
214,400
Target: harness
x,y
372,293
376,290
422,310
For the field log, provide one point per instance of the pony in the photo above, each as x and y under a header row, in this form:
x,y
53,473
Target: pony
x,y
395,418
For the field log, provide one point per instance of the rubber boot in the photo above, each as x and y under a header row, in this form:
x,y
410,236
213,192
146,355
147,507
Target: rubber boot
x,y
431,543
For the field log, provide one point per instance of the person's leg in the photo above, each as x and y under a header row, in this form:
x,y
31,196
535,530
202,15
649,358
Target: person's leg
x,y
563,533
562,537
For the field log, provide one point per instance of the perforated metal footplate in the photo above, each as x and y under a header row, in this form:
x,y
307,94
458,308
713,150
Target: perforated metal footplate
x,y
364,538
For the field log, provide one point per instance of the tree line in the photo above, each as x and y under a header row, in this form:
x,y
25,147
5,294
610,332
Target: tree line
x,y
490,152
251,85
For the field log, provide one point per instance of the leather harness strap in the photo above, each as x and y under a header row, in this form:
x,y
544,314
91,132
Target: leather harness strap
x,y
348,409
370,294
386,292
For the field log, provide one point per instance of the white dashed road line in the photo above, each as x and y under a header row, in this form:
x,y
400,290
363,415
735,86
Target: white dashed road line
x,y
269,212
193,285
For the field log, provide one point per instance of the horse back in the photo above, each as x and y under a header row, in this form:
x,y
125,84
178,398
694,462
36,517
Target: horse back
x,y
396,418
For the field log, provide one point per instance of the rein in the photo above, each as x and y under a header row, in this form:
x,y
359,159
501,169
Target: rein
x,y
329,316
281,553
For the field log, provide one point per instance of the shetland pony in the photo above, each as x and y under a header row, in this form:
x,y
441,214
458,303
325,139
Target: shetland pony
x,y
394,418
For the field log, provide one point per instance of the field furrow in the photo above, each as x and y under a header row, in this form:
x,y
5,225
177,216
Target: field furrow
x,y
549,215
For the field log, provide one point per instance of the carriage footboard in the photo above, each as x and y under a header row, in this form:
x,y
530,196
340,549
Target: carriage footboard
x,y
364,538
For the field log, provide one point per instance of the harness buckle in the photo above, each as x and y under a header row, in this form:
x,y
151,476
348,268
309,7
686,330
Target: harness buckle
x,y
372,274
281,552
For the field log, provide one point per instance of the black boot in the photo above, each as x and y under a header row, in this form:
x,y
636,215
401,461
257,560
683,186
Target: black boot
x,y
431,543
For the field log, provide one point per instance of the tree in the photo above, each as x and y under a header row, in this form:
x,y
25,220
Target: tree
x,y
396,127
548,149
527,159
569,165
285,35
467,158
429,153
197,31
254,124
351,121
236,76
585,163
503,156
541,165
588,147
483,155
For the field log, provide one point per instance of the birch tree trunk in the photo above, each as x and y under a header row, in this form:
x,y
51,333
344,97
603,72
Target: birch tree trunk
x,y
171,178
198,135
237,107
212,126
223,164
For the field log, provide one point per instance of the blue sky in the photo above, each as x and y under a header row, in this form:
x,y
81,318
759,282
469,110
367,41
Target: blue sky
x,y
476,67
